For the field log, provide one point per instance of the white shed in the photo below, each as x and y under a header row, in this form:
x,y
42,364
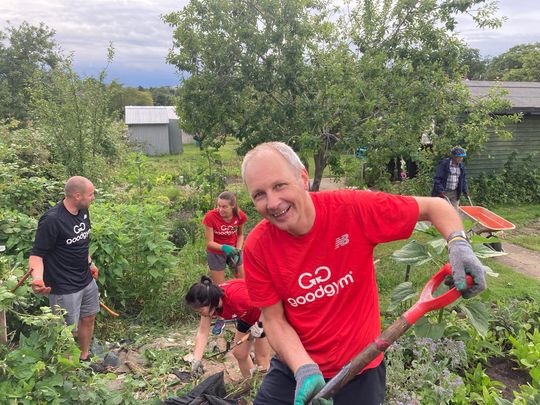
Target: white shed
x,y
155,129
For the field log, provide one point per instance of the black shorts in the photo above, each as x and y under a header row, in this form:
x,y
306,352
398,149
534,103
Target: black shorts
x,y
243,327
279,384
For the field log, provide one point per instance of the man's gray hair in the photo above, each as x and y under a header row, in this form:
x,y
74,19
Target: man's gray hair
x,y
283,149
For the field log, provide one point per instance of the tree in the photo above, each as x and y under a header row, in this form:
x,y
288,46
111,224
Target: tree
x,y
123,96
376,74
476,65
24,50
163,96
76,117
520,63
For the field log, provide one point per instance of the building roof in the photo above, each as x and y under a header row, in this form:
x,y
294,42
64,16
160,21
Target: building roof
x,y
523,96
150,114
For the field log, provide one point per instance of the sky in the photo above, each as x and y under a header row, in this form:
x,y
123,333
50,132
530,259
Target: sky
x,y
142,41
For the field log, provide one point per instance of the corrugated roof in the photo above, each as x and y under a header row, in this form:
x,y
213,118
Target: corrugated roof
x,y
149,114
522,95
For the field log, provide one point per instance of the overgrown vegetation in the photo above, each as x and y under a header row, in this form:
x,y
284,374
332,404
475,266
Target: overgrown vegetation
x,y
147,237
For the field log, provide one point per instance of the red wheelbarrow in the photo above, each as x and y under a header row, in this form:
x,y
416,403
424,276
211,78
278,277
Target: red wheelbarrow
x,y
486,222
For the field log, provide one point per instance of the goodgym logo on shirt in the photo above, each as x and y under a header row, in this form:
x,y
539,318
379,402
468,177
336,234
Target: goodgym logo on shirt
x,y
81,232
320,278
227,229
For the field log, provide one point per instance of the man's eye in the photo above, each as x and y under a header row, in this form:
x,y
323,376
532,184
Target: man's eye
x,y
256,196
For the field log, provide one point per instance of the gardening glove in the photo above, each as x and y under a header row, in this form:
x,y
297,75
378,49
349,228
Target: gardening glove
x,y
39,287
197,368
228,249
463,261
256,330
94,270
309,381
234,258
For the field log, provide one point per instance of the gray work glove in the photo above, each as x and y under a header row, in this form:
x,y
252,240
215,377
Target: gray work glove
x,y
256,330
197,368
309,381
463,261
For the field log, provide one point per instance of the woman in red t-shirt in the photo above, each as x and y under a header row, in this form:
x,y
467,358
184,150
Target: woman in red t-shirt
x,y
229,300
224,232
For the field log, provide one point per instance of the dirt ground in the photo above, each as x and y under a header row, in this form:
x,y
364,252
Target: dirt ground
x,y
520,259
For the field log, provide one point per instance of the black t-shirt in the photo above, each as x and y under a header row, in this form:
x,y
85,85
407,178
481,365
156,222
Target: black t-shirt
x,y
62,240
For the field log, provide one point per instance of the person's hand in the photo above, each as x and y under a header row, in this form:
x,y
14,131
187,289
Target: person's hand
x,y
234,258
228,249
197,368
39,287
95,271
309,381
442,195
463,261
256,330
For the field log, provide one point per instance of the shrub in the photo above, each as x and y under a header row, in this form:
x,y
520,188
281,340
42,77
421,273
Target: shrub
x,y
518,183
131,246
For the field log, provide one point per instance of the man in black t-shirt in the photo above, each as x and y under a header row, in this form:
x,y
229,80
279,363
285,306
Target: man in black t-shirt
x,y
61,265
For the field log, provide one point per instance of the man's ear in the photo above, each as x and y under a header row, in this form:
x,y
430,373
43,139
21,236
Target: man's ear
x,y
305,179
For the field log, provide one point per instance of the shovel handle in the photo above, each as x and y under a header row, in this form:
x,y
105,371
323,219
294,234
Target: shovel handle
x,y
425,303
23,279
110,311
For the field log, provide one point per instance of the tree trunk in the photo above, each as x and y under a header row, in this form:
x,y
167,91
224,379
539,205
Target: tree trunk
x,y
320,164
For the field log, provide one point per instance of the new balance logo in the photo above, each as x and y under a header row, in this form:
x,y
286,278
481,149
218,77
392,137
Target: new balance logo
x,y
342,240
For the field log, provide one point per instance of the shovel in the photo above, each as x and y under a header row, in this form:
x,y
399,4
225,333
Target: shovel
x,y
27,274
425,303
245,338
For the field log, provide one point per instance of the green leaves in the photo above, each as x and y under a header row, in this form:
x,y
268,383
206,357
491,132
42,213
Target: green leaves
x,y
477,314
412,253
403,292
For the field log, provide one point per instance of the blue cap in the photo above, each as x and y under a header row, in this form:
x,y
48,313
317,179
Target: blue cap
x,y
459,152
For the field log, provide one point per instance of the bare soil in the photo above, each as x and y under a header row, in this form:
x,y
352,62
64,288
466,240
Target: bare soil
x,y
508,372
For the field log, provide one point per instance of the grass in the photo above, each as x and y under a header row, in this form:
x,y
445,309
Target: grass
x,y
522,216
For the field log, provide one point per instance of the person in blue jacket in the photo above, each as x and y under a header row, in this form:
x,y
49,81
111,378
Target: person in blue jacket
x,y
450,178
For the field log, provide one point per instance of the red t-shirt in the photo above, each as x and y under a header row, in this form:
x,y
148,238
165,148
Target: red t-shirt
x,y
236,303
326,278
225,233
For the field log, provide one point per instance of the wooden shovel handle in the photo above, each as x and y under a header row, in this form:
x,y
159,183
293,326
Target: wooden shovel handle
x,y
22,280
425,303
110,311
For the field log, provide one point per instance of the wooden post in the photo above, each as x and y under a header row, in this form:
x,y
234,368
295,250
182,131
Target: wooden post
x,y
3,328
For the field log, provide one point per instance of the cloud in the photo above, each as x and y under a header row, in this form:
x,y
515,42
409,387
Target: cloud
x,y
85,28
142,40
521,27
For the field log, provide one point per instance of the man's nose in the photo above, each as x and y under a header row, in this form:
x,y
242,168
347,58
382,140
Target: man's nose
x,y
272,201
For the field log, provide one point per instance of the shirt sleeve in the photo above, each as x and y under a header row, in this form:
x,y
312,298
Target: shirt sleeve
x,y
386,217
258,279
46,235
207,220
243,217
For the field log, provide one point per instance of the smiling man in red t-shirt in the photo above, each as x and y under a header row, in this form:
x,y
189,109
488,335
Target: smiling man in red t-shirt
x,y
309,266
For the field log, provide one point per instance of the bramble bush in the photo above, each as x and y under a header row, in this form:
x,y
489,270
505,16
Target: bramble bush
x,y
131,246
518,183
44,367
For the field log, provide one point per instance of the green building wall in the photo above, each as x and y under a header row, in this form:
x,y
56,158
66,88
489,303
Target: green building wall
x,y
525,140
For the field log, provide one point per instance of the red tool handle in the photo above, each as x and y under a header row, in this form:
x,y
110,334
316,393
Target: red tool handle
x,y
425,303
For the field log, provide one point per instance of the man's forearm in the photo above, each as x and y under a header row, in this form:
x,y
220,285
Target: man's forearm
x,y
286,343
36,264
441,214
